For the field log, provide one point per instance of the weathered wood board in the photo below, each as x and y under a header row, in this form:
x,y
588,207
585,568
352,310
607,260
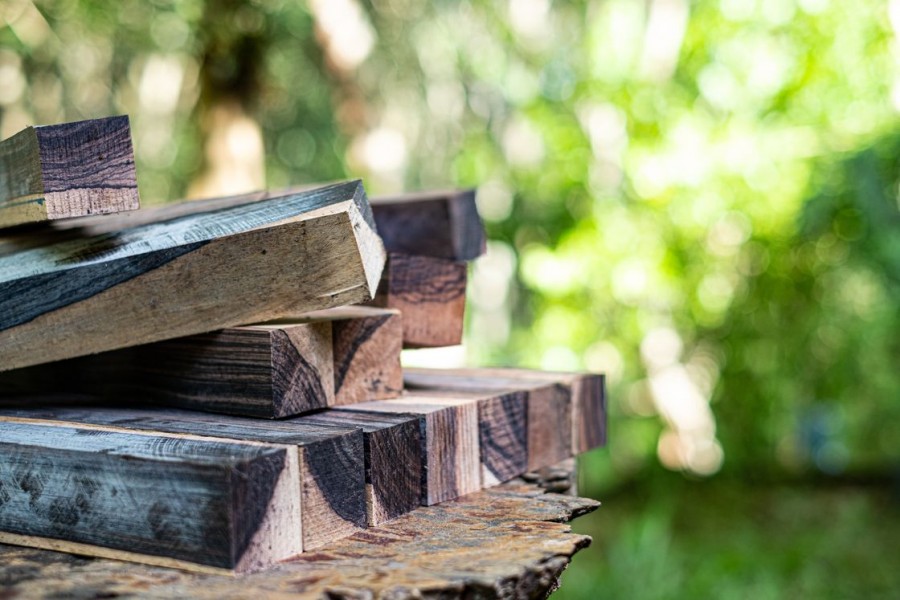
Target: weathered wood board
x,y
67,170
190,275
552,392
430,293
366,344
511,541
189,502
331,459
437,224
394,463
450,454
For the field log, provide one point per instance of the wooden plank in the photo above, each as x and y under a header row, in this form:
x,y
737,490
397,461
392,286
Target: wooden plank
x,y
586,390
512,541
67,170
188,502
331,459
450,453
431,295
437,224
191,275
394,463
366,343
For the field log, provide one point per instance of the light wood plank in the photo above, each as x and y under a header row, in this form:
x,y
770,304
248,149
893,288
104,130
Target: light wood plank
x,y
331,459
191,275
183,501
67,170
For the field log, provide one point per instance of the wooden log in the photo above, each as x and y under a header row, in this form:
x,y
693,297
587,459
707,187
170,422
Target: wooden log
x,y
188,502
437,224
366,344
587,392
512,541
394,463
450,453
431,295
68,170
191,275
331,459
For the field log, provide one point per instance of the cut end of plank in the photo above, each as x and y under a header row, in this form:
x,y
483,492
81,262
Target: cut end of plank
x,y
371,248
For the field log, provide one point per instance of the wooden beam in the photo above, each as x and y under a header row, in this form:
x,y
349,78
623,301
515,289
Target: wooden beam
x,y
189,502
450,454
331,459
548,405
586,391
199,273
438,224
68,170
431,295
394,464
366,343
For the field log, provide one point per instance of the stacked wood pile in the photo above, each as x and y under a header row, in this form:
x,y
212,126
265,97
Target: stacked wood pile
x,y
216,385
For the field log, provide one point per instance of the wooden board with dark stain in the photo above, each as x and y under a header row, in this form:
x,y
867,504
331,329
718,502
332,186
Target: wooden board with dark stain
x,y
67,170
437,224
366,343
175,501
430,293
394,462
511,541
331,459
560,398
450,455
190,275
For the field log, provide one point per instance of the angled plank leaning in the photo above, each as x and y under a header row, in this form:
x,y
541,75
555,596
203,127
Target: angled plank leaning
x,y
189,275
179,501
67,170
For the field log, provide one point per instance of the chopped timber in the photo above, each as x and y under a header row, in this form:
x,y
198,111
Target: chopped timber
x,y
257,371
450,453
187,502
366,344
394,466
194,274
331,459
512,541
586,391
430,293
69,170
438,224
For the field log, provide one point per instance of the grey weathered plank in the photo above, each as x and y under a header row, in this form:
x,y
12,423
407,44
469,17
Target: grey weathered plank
x,y
331,459
430,293
67,170
450,452
173,501
190,275
394,463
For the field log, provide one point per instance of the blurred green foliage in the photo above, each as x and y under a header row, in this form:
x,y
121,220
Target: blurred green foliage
x,y
699,198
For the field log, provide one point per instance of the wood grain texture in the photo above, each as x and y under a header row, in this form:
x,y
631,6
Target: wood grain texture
x,y
548,405
430,293
511,541
159,499
68,170
331,459
394,463
450,455
257,371
587,393
191,275
437,224
366,343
